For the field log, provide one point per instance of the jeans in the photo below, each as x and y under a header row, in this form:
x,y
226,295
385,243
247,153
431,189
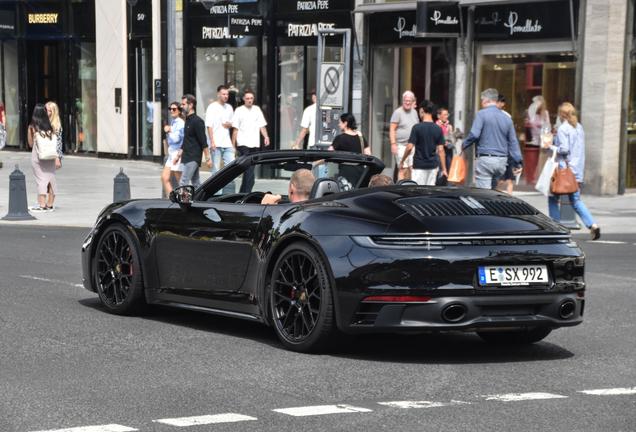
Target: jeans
x,y
578,206
190,172
248,176
226,153
488,170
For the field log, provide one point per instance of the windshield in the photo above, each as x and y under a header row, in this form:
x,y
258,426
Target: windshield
x,y
273,177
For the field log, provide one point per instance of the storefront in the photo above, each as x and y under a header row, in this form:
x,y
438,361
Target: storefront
x,y
226,48
405,58
526,52
630,155
47,53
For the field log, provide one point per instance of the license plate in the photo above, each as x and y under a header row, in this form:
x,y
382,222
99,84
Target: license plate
x,y
521,275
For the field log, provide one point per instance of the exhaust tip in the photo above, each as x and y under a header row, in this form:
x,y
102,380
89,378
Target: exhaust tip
x,y
567,309
454,313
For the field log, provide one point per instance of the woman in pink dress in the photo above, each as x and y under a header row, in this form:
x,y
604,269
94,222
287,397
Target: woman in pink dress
x,y
43,170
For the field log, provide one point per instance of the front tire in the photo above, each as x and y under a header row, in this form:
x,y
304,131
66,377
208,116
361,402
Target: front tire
x,y
516,337
117,272
301,301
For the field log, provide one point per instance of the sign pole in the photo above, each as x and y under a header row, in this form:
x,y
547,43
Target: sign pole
x,y
332,88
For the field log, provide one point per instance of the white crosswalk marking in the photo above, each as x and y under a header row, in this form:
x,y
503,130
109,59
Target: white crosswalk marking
x,y
206,419
321,409
421,404
512,397
102,428
610,392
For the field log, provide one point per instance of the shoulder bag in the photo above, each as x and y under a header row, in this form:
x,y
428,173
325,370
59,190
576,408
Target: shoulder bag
x,y
563,181
46,146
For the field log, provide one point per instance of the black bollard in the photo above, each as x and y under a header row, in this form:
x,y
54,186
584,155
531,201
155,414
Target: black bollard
x,y
121,190
18,208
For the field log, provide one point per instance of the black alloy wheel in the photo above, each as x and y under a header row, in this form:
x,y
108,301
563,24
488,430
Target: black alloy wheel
x,y
301,300
515,337
117,272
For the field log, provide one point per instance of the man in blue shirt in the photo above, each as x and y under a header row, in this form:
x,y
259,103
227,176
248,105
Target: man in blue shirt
x,y
493,134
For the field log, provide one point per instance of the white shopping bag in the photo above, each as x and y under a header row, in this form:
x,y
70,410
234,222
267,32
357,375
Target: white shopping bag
x,y
543,184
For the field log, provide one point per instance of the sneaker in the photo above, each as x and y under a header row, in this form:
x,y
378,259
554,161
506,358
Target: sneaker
x,y
50,209
38,209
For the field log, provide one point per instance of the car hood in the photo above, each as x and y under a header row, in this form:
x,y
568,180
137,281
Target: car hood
x,y
411,210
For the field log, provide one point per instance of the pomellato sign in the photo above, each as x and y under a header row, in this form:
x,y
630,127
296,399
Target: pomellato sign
x,y
544,20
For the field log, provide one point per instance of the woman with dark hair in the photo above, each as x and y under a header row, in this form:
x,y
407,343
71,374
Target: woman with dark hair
x,y
174,134
350,140
43,170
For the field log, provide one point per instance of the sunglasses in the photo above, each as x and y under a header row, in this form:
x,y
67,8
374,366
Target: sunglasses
x,y
174,109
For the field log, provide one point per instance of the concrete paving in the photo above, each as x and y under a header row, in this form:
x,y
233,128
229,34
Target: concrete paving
x,y
85,187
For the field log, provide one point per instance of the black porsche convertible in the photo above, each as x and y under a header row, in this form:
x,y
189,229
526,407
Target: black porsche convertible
x,y
350,259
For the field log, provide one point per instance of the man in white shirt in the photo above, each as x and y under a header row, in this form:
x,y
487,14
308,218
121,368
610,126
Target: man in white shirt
x,y
218,120
308,124
248,121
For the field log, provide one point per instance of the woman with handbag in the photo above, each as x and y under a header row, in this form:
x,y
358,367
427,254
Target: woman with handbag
x,y
44,157
570,147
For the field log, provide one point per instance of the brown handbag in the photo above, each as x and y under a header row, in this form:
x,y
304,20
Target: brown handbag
x,y
563,181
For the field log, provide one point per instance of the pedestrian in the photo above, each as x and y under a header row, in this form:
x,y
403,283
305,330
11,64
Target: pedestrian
x,y
501,104
43,170
174,134
350,140
402,121
308,124
380,180
3,132
449,146
570,147
194,144
248,121
493,134
426,141
218,120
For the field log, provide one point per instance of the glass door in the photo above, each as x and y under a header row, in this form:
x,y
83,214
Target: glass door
x,y
141,99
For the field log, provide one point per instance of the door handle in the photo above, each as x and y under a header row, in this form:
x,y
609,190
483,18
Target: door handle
x,y
212,215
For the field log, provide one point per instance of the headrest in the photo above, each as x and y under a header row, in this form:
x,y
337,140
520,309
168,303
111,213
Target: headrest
x,y
324,186
407,182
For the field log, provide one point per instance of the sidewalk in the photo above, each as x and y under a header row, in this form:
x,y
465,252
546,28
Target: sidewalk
x,y
85,187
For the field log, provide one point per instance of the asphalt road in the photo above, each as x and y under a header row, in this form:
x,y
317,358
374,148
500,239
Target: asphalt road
x,y
66,364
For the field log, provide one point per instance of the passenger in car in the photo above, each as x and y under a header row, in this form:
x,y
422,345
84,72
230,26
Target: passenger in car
x,y
380,180
299,188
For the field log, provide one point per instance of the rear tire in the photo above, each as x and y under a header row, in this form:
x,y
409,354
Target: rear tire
x,y
515,337
117,272
301,300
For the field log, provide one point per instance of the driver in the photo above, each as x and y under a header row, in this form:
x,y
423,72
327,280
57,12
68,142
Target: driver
x,y
300,186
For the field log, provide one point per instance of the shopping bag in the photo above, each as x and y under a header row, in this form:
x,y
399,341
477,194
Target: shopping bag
x,y
543,184
457,173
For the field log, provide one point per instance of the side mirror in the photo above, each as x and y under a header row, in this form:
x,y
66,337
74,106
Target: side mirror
x,y
183,196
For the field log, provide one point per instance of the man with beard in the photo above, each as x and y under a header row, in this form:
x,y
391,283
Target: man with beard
x,y
194,143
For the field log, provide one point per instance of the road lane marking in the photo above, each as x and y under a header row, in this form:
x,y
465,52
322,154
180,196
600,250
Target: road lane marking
x,y
513,397
101,428
206,419
607,241
421,404
610,392
51,280
321,409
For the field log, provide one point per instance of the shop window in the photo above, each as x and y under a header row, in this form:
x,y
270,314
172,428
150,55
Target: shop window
x,y
236,68
86,98
521,78
9,104
630,180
